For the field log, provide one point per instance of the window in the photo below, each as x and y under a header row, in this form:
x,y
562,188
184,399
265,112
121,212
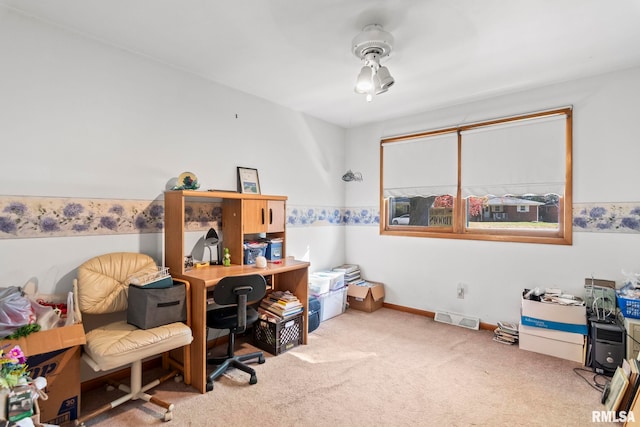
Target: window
x,y
425,197
506,179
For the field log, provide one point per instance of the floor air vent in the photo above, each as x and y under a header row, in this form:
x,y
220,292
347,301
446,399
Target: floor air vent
x,y
457,320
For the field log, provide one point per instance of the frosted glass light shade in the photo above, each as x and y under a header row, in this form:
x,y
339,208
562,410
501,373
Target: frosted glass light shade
x,y
364,82
384,78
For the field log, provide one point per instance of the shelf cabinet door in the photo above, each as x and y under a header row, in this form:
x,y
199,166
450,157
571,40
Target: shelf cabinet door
x,y
275,216
254,216
263,216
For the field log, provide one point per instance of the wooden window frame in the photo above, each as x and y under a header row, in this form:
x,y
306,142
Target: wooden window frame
x,y
561,236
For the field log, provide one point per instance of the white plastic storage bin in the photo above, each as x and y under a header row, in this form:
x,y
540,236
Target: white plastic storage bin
x,y
336,279
321,282
318,285
332,303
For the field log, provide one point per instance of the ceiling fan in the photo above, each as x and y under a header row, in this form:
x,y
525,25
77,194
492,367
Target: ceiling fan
x,y
371,45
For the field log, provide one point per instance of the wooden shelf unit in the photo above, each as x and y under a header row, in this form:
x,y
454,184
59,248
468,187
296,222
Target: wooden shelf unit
x,y
242,215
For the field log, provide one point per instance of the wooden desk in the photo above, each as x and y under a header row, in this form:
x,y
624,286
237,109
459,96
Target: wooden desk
x,y
290,274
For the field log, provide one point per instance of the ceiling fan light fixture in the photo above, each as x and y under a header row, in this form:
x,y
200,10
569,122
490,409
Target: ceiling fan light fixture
x,y
364,82
384,79
371,45
379,90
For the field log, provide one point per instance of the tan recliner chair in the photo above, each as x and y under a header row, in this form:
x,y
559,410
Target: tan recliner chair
x,y
101,288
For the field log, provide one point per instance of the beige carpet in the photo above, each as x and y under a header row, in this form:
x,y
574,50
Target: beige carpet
x,y
385,368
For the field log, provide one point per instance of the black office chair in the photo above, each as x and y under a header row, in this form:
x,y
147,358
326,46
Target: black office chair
x,y
235,293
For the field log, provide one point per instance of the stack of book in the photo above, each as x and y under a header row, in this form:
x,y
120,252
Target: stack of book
x,y
351,273
506,333
279,305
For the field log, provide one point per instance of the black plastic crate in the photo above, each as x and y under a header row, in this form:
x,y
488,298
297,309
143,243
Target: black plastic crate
x,y
276,338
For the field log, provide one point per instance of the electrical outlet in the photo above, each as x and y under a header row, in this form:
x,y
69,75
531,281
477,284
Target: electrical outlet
x,y
461,289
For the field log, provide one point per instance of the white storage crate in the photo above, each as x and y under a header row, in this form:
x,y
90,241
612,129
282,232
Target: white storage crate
x,y
321,282
332,303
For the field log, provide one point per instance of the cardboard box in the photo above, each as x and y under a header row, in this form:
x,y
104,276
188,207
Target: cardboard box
x,y
566,318
61,368
565,345
366,297
49,340
55,355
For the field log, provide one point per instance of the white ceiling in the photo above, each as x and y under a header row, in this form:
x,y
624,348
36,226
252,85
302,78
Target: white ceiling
x,y
297,52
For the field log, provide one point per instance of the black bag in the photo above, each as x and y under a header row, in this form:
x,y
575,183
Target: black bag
x,y
151,307
314,313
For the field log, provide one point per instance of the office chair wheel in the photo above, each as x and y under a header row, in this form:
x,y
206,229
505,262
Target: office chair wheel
x,y
253,380
261,359
168,416
209,385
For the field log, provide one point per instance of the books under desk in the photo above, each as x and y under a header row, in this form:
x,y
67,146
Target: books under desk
x,y
279,305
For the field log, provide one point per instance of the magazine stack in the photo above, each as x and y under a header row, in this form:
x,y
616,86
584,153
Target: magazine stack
x,y
506,333
351,273
279,305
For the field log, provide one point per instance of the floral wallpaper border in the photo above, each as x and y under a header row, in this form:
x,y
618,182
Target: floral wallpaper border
x,y
31,217
607,217
302,216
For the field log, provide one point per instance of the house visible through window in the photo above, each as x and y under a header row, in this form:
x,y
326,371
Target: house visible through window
x,y
506,179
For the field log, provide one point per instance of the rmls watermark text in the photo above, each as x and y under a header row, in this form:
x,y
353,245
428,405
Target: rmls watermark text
x,y
612,417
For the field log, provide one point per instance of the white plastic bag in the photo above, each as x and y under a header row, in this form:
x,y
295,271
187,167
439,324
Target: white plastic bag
x,y
15,310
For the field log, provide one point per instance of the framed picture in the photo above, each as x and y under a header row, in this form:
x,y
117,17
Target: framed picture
x,y
617,387
248,181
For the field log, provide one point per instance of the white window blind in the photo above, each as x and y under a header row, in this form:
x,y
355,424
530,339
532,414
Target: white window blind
x,y
517,158
423,167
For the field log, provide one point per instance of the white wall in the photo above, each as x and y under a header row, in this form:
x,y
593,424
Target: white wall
x,y
79,118
423,273
82,119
